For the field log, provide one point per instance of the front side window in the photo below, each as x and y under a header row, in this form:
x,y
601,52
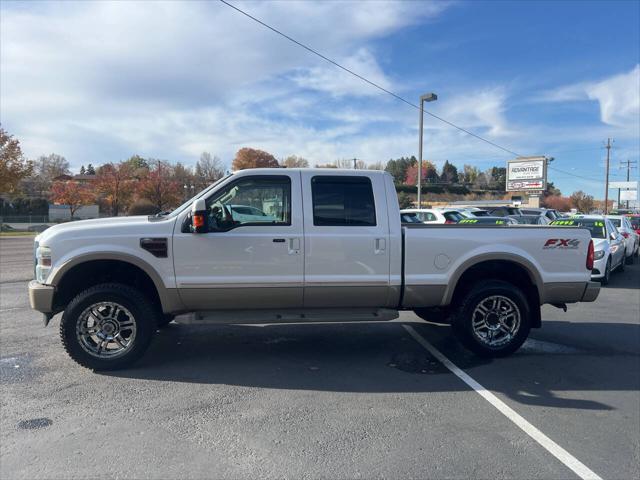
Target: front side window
x,y
343,201
251,201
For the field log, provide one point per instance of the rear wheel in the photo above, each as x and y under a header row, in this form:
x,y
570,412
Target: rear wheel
x,y
108,326
493,320
621,267
629,259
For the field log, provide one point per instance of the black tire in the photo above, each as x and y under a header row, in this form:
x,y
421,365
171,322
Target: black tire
x,y
607,273
164,320
144,318
629,259
434,315
462,320
621,267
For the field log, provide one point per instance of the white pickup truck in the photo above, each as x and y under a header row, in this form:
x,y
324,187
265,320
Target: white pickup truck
x,y
311,245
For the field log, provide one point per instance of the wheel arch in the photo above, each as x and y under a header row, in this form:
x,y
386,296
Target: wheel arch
x,y
91,269
507,267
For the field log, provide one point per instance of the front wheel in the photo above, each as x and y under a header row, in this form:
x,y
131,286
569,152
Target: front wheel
x,y
108,326
493,320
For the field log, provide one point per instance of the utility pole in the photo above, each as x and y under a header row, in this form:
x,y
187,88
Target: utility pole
x,y
354,164
629,164
606,184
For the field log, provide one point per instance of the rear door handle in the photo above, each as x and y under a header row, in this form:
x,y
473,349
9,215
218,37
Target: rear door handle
x,y
279,240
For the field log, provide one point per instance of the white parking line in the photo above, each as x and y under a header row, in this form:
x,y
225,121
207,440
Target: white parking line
x,y
552,447
11,309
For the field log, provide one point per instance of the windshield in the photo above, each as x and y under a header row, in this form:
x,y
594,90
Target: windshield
x,y
177,210
596,227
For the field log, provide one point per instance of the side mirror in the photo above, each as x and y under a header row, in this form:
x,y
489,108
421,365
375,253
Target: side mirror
x,y
614,236
199,216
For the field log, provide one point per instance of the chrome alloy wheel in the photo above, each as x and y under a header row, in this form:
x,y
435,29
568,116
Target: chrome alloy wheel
x,y
106,330
496,320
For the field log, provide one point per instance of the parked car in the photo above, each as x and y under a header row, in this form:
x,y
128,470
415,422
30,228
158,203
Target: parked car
x,y
488,221
409,218
336,252
550,213
434,215
531,219
608,244
634,219
471,212
248,214
502,211
631,238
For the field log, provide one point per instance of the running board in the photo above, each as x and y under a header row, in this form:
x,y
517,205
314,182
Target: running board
x,y
320,315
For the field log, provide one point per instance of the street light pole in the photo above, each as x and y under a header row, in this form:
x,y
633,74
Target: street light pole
x,y
427,97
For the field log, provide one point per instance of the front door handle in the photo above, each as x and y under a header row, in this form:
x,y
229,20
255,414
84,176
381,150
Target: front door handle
x,y
381,245
279,240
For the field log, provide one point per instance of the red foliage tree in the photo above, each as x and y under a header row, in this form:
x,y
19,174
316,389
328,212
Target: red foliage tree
x,y
73,194
115,183
429,173
159,187
253,158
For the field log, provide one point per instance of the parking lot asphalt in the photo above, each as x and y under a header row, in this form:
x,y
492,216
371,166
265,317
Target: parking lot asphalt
x,y
334,400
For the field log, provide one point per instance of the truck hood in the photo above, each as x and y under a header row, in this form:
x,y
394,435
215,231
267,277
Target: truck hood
x,y
96,227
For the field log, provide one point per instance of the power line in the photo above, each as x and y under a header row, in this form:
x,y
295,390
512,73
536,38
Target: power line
x,y
373,84
573,174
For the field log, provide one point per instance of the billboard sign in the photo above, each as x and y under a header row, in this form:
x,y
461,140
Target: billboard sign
x,y
527,173
632,185
628,195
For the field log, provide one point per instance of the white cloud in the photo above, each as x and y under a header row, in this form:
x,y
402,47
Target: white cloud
x,y
337,82
618,97
91,80
480,109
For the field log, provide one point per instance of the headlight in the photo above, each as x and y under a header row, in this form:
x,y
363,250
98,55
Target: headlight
x,y
43,264
598,254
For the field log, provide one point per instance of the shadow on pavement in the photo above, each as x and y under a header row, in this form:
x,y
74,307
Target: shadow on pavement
x,y
382,358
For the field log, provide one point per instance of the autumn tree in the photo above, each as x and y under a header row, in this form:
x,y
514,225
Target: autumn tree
x,y
557,202
13,167
73,194
292,161
253,158
52,166
398,168
469,174
581,201
115,183
159,187
429,173
208,170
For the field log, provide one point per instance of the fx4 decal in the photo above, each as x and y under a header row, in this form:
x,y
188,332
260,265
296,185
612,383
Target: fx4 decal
x,y
563,243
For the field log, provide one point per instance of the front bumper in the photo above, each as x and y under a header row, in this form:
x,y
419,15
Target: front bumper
x,y
41,296
599,267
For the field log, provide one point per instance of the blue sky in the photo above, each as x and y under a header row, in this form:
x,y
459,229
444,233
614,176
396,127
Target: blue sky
x,y
100,81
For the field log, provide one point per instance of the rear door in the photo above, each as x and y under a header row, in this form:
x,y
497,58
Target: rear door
x,y
346,246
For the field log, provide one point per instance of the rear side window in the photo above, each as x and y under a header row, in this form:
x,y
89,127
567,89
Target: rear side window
x,y
453,216
343,201
616,222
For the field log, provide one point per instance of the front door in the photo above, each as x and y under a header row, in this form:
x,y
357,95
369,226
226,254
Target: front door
x,y
252,255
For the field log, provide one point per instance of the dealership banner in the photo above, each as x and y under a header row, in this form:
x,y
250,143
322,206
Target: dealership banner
x,y
527,174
